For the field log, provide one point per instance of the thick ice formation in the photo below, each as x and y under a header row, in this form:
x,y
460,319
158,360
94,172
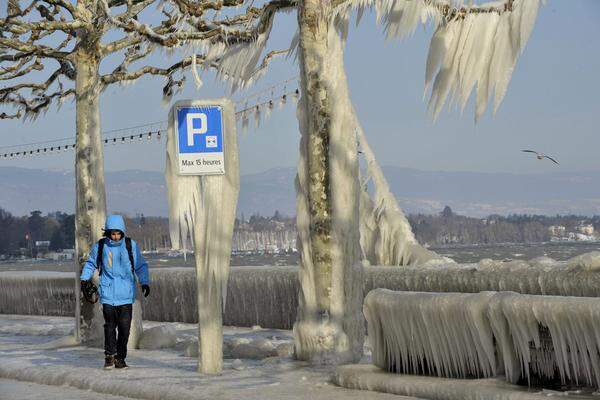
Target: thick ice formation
x,y
485,334
158,337
431,333
202,209
589,262
386,237
478,51
373,379
268,296
474,48
329,327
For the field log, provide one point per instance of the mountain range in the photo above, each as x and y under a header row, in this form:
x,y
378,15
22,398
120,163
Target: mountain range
x,y
468,193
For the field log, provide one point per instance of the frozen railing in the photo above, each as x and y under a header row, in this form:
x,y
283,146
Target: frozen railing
x,y
268,296
462,335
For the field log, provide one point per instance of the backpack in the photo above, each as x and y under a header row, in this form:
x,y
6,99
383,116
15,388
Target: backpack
x,y
101,253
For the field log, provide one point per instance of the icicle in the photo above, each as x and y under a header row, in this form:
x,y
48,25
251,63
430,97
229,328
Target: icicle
x,y
245,121
257,113
293,51
477,52
282,100
268,110
359,14
296,96
386,235
197,79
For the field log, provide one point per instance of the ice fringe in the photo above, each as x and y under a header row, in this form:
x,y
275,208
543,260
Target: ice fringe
x,y
469,50
202,211
460,335
386,237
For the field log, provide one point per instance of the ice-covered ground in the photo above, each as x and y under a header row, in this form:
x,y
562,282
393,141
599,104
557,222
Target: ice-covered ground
x,y
36,351
32,349
19,390
371,378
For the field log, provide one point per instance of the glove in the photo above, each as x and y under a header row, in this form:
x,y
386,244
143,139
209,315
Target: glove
x,y
83,285
146,290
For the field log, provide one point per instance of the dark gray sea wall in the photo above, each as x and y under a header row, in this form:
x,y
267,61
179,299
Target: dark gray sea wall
x,y
268,296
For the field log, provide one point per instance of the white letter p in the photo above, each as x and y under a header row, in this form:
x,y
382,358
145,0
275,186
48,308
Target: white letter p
x,y
191,131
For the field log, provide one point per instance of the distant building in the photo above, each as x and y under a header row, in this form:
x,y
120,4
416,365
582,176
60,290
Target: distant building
x,y
586,229
557,230
64,255
42,246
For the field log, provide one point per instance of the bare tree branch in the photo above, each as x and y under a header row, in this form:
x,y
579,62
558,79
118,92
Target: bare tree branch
x,y
64,4
20,68
21,27
449,11
27,49
215,30
121,76
27,40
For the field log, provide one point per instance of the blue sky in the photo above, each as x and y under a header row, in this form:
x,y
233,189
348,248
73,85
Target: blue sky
x,y
552,105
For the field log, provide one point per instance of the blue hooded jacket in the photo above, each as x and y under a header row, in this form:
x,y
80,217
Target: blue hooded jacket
x,y
117,283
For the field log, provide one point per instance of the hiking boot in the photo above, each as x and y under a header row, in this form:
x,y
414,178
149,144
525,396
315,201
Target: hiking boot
x,y
120,364
109,362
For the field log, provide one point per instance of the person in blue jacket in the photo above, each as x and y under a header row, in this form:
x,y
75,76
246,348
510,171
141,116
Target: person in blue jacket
x,y
117,287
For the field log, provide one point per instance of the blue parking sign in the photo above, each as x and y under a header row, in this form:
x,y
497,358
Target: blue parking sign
x,y
200,129
200,140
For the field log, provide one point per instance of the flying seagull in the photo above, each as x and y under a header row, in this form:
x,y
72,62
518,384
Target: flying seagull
x,y
541,156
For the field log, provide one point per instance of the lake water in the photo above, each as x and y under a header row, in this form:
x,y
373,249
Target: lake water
x,y
463,254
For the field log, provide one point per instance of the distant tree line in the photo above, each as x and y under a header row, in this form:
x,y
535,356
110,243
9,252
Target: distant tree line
x,y
18,235
450,228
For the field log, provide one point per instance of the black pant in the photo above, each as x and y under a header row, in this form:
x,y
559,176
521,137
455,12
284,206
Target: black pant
x,y
116,318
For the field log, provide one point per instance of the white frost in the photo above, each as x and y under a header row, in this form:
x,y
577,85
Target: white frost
x,y
485,334
202,210
478,52
386,237
469,50
158,337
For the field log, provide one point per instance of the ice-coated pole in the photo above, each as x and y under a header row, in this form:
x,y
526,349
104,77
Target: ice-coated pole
x,y
202,175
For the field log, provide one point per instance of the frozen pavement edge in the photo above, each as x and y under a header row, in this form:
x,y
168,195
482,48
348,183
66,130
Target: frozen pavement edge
x,y
371,378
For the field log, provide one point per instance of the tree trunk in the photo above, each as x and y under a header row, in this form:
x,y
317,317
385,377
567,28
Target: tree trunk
x,y
329,328
90,210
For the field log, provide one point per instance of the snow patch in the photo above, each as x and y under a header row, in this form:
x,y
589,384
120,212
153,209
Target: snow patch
x,y
159,337
589,262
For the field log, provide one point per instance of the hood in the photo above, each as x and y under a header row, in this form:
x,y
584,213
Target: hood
x,y
115,222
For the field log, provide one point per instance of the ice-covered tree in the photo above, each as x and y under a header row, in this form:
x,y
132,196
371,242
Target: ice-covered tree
x,y
474,49
54,50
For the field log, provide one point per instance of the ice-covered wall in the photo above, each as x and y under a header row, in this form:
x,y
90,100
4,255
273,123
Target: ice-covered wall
x,y
461,335
37,293
267,296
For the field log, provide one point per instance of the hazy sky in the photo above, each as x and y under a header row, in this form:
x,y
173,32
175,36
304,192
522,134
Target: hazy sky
x,y
552,105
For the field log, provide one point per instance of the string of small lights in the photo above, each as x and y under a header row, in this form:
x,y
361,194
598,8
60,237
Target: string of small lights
x,y
156,130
